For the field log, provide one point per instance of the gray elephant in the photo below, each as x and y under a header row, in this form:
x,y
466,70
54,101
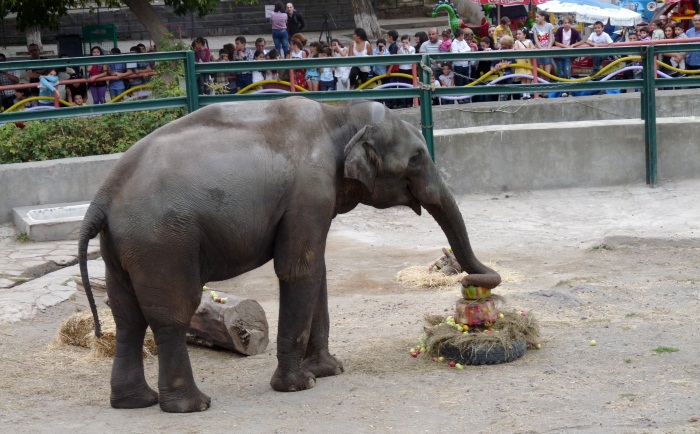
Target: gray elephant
x,y
226,189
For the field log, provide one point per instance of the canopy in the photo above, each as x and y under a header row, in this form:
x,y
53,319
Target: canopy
x,y
590,11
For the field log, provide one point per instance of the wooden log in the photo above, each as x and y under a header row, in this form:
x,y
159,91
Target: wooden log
x,y
239,324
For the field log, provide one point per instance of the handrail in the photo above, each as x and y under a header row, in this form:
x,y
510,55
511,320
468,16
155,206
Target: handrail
x,y
423,90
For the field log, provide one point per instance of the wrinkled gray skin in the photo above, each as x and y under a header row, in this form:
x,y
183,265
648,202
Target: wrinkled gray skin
x,y
228,188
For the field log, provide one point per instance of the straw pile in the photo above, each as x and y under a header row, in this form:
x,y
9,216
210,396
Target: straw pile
x,y
514,326
420,276
79,330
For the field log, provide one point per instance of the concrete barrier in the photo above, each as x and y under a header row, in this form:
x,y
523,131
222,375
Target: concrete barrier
x,y
484,158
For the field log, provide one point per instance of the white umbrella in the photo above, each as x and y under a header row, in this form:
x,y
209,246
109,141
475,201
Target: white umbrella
x,y
590,11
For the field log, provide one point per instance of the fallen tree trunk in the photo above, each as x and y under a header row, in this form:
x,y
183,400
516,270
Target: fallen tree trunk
x,y
239,324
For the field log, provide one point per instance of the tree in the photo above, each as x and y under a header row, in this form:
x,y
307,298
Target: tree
x,y
366,18
37,14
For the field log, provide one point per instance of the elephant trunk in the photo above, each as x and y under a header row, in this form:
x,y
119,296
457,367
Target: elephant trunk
x,y
448,216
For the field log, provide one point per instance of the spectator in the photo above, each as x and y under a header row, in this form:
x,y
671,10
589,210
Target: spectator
x,y
523,43
78,101
75,89
297,52
503,29
272,74
447,78
326,81
432,45
676,60
34,74
21,95
258,75
295,22
221,78
692,59
280,36
98,89
359,48
565,37
657,32
644,34
664,21
8,78
392,38
118,70
492,35
313,74
137,68
47,87
243,54
260,45
380,50
420,38
202,54
342,73
407,68
461,67
446,41
543,33
598,39
469,37
142,48
503,66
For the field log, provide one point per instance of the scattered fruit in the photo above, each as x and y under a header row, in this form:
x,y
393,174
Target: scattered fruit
x,y
538,346
412,350
459,366
500,316
593,343
414,354
452,363
204,288
441,359
435,359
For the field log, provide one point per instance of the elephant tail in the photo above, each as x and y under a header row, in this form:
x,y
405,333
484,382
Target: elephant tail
x,y
93,223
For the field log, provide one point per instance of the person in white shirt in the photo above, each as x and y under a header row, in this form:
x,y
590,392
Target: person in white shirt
x,y
461,68
598,39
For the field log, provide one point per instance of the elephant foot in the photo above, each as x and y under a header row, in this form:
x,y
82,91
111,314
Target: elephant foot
x,y
140,397
292,381
180,401
323,365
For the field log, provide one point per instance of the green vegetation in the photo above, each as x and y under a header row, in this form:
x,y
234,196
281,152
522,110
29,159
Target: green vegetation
x,y
628,360
661,350
630,396
602,247
23,238
79,137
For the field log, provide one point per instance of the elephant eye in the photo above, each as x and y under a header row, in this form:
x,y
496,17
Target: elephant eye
x,y
416,159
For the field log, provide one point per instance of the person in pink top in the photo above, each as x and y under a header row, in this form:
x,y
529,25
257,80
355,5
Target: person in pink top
x,y
278,20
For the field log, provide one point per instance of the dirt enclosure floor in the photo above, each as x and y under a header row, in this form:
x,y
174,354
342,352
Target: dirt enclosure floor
x,y
616,265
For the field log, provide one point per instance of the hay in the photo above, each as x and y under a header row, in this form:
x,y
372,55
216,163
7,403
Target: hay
x,y
512,327
421,277
79,330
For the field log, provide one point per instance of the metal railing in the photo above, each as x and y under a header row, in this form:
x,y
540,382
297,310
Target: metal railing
x,y
424,90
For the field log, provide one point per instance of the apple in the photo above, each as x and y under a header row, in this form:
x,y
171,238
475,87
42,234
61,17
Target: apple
x,y
414,354
452,363
500,316
459,366
435,359
441,359
593,343
538,346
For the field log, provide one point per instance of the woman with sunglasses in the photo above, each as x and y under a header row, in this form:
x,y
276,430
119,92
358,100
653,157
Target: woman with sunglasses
x,y
566,37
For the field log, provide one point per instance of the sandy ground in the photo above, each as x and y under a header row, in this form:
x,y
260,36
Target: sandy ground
x,y
618,265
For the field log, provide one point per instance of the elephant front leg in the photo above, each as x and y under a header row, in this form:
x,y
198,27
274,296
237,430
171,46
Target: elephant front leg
x,y
296,310
318,359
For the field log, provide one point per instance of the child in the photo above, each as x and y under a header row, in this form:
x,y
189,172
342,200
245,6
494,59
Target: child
x,y
221,78
272,74
598,39
78,100
446,41
447,78
119,70
47,87
312,74
644,34
326,81
380,50
258,76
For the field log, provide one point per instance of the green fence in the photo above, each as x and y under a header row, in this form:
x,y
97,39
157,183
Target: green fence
x,y
424,91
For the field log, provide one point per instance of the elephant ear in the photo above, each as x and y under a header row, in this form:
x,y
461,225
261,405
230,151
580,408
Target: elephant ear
x,y
361,158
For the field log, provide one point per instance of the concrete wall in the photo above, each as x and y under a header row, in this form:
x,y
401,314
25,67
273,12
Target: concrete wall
x,y
49,182
568,154
488,158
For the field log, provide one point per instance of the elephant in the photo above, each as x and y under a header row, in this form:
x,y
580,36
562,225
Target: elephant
x,y
226,189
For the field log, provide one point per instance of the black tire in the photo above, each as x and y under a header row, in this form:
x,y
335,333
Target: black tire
x,y
486,355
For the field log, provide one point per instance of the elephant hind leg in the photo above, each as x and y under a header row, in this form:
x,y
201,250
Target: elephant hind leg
x,y
128,382
168,309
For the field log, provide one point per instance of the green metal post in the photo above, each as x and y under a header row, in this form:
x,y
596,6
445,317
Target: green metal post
x,y
426,104
649,110
191,83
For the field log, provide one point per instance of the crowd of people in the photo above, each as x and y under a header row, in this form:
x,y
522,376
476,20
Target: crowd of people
x,y
100,79
290,43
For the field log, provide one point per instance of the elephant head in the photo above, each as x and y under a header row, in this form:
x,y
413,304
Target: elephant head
x,y
390,159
